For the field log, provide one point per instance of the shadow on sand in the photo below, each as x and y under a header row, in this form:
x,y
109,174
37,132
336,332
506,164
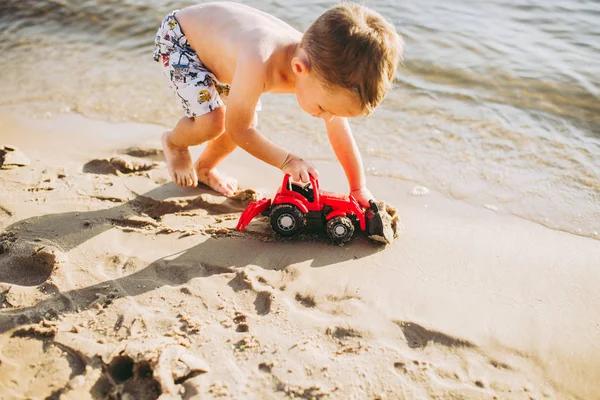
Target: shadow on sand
x,y
66,231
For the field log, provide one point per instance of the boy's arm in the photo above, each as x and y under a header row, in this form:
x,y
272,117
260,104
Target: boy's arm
x,y
346,151
246,87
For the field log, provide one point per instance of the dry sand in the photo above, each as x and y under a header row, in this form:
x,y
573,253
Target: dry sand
x,y
119,284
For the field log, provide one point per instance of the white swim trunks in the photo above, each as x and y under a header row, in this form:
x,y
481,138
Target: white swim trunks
x,y
198,89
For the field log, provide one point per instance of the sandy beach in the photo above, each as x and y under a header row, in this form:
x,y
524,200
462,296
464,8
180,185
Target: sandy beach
x,y
115,283
121,285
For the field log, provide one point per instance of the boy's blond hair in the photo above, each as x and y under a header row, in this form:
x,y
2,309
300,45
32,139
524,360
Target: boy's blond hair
x,y
356,48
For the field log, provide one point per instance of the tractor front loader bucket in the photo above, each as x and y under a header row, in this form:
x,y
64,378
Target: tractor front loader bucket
x,y
374,222
253,209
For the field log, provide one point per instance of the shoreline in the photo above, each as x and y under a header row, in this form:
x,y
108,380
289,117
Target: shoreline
x,y
513,301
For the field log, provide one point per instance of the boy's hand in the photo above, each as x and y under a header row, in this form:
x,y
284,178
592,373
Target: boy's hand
x,y
363,196
298,169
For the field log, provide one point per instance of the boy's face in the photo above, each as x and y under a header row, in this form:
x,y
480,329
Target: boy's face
x,y
322,102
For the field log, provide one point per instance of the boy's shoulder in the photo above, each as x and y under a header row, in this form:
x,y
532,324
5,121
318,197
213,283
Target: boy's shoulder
x,y
238,16
250,29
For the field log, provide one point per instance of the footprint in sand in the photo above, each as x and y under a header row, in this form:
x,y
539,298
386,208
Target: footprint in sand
x,y
27,263
124,376
140,369
119,164
246,279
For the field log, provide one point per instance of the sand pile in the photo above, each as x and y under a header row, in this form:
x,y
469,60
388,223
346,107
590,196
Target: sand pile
x,y
390,221
12,157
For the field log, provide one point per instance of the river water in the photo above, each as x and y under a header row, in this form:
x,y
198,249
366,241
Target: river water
x,y
497,103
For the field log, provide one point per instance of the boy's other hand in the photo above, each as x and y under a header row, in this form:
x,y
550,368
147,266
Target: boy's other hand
x,y
363,196
299,169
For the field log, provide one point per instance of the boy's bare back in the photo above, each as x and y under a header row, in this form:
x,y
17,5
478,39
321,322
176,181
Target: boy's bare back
x,y
222,33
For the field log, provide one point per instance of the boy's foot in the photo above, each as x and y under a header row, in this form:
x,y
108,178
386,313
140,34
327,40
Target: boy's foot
x,y
219,183
179,163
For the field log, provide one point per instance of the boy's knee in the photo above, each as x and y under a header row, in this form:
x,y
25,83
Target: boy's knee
x,y
213,123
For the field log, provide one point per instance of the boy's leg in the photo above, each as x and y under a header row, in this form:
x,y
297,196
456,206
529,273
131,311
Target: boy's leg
x,y
216,150
190,132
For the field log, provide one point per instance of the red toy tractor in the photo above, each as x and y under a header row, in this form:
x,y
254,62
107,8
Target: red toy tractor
x,y
296,206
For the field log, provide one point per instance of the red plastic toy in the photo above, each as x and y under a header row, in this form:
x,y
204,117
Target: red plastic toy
x,y
296,206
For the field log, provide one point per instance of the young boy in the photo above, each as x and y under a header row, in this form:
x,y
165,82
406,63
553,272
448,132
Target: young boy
x,y
340,67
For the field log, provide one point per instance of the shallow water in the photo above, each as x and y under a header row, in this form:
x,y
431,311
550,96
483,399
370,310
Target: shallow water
x,y
498,103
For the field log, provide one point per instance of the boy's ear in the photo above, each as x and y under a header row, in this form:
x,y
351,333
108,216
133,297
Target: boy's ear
x,y
300,65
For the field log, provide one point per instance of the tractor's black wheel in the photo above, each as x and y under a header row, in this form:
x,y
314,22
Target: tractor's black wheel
x,y
287,219
340,229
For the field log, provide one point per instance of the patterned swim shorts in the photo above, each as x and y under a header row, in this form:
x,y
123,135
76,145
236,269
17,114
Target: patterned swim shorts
x,y
198,89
